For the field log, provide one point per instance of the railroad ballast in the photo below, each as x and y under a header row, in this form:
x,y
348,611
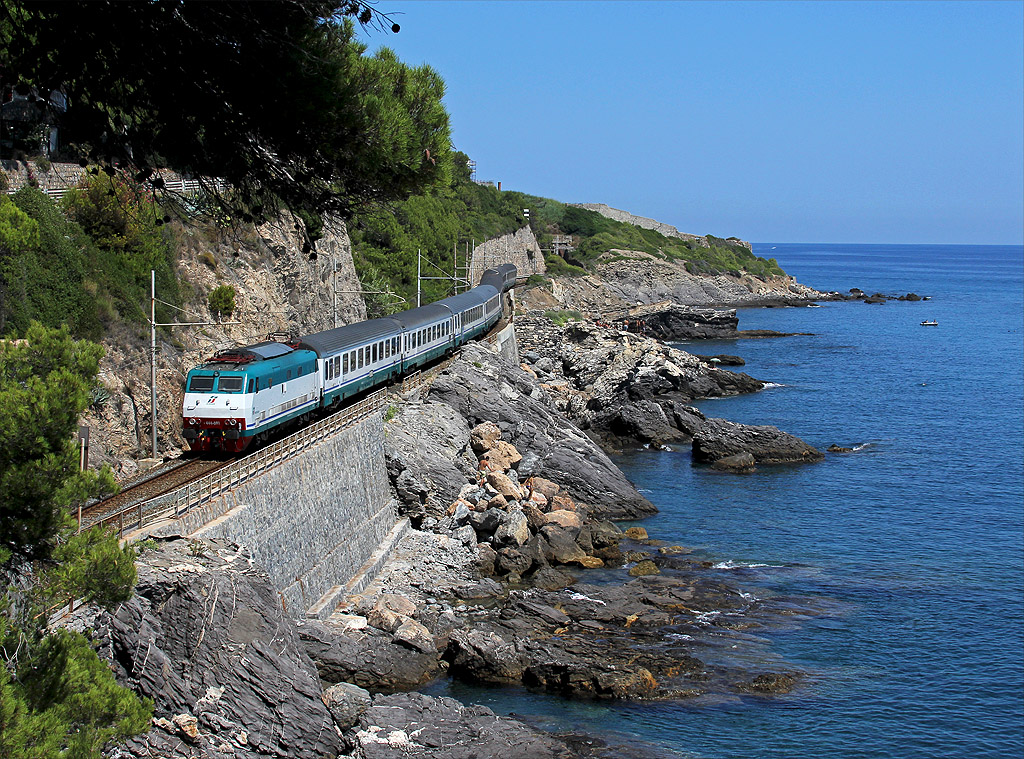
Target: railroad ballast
x,y
242,395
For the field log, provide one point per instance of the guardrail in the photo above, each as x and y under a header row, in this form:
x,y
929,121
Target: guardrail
x,y
179,501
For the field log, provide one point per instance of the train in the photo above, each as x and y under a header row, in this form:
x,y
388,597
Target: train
x,y
241,396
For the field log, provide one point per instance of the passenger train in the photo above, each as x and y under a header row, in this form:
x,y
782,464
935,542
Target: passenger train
x,y
242,395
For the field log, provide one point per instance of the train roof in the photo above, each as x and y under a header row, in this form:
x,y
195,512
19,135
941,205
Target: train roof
x,y
333,341
417,317
462,301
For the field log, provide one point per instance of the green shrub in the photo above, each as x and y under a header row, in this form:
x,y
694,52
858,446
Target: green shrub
x,y
559,267
561,318
222,300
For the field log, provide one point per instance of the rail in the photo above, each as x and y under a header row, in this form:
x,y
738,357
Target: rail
x,y
181,500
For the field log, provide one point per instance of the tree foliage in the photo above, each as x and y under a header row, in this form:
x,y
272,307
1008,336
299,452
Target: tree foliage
x,y
222,300
45,383
278,97
57,698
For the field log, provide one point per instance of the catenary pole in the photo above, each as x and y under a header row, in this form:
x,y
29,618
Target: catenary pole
x,y
152,353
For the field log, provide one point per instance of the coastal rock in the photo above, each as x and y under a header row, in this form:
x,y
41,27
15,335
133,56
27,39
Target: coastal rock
x,y
370,658
407,725
625,278
347,703
719,439
671,322
771,683
514,531
839,449
644,568
484,436
722,359
205,637
480,386
483,656
738,462
428,458
626,388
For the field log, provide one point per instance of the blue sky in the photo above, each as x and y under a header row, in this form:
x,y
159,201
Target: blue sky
x,y
898,122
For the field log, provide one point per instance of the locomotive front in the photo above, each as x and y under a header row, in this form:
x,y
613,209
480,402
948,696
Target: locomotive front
x,y
242,394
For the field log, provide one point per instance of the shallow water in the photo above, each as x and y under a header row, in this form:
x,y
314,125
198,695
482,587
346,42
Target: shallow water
x,y
909,551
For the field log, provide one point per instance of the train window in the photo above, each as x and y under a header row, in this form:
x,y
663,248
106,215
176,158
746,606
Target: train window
x,y
359,357
252,385
373,351
289,374
380,348
231,384
344,364
200,384
386,348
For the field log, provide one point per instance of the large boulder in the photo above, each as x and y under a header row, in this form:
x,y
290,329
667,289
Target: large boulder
x,y
370,658
720,439
415,725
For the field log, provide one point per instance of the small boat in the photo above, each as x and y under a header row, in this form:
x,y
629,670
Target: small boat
x,y
930,324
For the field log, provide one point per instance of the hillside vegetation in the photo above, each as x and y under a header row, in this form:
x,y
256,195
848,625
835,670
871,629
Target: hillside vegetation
x,y
385,242
85,263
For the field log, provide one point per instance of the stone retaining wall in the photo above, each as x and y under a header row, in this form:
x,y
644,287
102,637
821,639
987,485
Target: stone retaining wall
x,y
312,521
519,248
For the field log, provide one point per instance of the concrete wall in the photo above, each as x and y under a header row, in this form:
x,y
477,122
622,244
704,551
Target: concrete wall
x,y
312,521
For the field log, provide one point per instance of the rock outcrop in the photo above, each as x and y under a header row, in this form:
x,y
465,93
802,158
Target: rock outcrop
x,y
719,440
621,387
407,725
206,639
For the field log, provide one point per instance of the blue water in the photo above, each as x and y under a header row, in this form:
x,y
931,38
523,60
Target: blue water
x,y
910,549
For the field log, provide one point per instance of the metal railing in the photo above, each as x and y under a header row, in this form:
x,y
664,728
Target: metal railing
x,y
188,496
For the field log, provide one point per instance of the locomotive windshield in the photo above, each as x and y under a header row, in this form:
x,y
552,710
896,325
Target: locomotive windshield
x,y
231,384
200,384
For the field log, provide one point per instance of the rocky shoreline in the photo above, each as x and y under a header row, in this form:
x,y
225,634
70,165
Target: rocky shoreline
x,y
514,574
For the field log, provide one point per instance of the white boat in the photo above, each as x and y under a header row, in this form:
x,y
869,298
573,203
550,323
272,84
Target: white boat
x,y
930,324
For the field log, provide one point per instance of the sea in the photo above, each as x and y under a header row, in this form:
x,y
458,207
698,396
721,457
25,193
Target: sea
x,y
901,561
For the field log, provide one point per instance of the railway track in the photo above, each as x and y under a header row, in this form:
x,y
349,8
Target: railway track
x,y
162,482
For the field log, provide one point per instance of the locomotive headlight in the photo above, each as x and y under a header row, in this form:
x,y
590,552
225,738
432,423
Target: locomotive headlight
x,y
232,422
193,421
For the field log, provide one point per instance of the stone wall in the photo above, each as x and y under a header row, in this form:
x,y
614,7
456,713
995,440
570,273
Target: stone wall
x,y
519,248
312,521
58,177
